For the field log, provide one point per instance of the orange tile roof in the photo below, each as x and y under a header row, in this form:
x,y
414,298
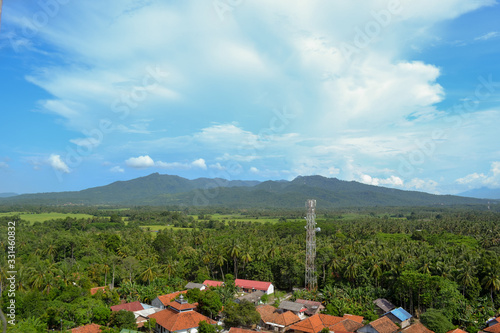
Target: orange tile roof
x,y
239,330
90,328
316,323
346,325
457,330
93,291
178,321
493,329
212,283
165,299
358,319
133,306
384,325
269,314
418,327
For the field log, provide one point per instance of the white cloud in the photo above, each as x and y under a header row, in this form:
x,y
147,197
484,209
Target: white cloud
x,y
391,181
489,35
86,142
4,165
117,169
491,179
217,166
57,163
422,185
199,163
254,170
140,162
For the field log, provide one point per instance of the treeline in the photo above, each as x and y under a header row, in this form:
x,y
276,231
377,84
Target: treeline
x,y
423,259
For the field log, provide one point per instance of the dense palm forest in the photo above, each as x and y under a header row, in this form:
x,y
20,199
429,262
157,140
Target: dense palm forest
x,y
421,258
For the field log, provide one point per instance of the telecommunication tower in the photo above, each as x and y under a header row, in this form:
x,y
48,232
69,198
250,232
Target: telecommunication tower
x,y
311,279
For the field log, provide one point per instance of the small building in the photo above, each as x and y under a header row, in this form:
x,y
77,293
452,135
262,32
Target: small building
x,y
312,307
320,321
179,317
161,302
239,330
419,328
383,306
251,286
132,306
275,319
295,307
193,285
90,328
211,283
400,317
492,329
381,325
493,321
142,316
253,298
94,290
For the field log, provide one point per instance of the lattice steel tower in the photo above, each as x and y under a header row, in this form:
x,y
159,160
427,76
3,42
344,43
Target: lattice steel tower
x,y
311,279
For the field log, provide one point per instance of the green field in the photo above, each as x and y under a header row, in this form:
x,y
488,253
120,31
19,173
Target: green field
x,y
42,217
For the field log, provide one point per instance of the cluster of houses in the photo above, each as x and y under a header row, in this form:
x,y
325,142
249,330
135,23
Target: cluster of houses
x,y
173,313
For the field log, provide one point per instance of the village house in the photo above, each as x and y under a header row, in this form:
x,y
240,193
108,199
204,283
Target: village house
x,y
211,283
312,307
193,285
492,329
381,325
297,308
400,317
133,306
275,319
179,316
420,328
253,298
383,306
314,324
251,286
94,290
90,328
162,302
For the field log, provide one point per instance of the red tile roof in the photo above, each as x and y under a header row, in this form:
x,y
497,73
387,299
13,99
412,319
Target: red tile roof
x,y
384,325
346,325
251,284
211,283
93,291
239,330
316,323
358,319
133,306
178,321
457,330
90,328
269,315
178,306
493,329
165,299
420,328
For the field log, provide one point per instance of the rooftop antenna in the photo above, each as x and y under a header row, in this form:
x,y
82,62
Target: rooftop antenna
x,y
311,278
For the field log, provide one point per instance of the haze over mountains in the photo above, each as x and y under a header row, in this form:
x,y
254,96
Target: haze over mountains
x,y
158,190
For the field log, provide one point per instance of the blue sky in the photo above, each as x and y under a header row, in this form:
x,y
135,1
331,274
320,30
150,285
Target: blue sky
x,y
402,94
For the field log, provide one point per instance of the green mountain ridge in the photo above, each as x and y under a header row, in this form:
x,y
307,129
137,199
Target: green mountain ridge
x,y
159,190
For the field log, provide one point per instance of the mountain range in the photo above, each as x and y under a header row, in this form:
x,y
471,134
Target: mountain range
x,y
159,190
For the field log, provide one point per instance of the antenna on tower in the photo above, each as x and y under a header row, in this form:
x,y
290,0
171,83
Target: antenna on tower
x,y
311,279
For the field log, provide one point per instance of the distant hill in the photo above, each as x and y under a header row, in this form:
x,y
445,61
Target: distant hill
x,y
7,195
482,193
159,190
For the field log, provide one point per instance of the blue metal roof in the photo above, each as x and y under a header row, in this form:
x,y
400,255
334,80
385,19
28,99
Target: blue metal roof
x,y
401,314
